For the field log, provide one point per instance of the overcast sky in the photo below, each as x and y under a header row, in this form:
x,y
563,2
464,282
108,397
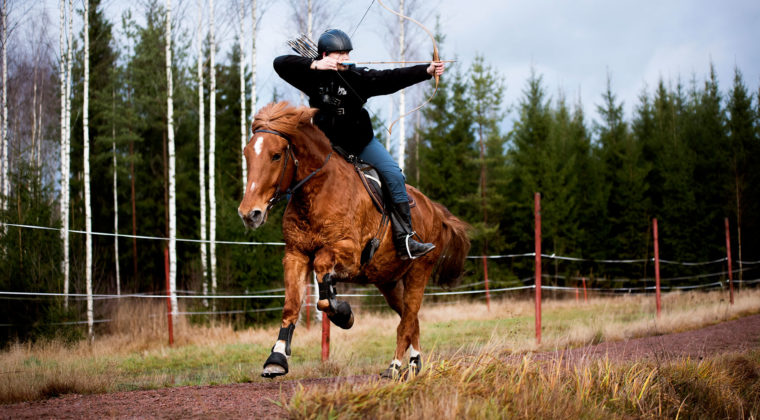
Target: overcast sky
x,y
573,45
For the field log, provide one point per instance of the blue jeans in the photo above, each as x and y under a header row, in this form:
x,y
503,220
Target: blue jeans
x,y
375,154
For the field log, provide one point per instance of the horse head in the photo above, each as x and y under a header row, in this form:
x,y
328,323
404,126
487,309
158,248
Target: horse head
x,y
271,159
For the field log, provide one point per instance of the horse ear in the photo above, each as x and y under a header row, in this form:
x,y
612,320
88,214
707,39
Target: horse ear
x,y
306,115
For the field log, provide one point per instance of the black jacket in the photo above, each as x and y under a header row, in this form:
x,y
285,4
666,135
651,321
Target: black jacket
x,y
340,95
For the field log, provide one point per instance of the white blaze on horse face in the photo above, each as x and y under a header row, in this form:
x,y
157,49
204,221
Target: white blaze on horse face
x,y
257,146
253,186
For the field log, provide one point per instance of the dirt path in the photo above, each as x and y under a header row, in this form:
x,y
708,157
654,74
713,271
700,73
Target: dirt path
x,y
259,400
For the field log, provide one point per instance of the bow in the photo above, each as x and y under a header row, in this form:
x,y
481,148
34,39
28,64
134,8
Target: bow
x,y
435,58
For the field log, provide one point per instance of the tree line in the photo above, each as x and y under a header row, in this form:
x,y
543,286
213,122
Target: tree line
x,y
685,158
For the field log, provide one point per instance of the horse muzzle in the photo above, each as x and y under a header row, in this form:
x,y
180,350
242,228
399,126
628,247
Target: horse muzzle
x,y
253,219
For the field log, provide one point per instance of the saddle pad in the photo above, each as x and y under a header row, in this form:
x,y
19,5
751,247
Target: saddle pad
x,y
374,186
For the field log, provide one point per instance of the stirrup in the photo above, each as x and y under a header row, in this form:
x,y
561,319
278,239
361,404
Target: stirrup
x,y
409,251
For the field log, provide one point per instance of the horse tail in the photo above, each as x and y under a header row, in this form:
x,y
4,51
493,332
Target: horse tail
x,y
456,246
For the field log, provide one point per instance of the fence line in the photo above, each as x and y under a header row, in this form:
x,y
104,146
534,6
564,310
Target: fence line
x,y
451,293
597,290
527,254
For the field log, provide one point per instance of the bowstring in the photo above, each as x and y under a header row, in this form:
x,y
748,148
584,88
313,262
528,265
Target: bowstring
x,y
362,19
361,99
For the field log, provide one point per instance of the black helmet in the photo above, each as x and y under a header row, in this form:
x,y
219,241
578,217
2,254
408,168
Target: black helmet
x,y
333,40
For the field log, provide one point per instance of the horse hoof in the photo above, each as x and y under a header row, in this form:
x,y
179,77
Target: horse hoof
x,y
276,365
415,366
393,372
343,316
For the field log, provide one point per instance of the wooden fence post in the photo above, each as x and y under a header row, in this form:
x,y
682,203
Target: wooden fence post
x,y
537,238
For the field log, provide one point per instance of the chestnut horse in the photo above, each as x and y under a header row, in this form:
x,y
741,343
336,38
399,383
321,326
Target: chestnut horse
x,y
328,220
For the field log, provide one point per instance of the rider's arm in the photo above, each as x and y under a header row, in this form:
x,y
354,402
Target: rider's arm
x,y
383,82
296,70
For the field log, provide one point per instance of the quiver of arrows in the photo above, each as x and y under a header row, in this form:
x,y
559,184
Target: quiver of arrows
x,y
304,46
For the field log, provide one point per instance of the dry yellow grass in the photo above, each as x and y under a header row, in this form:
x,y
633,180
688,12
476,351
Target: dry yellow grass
x,y
133,352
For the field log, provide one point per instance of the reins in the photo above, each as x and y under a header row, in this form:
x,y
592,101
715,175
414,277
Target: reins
x,y
281,194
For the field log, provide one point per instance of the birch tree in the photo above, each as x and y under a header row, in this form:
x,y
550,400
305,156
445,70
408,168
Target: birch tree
x,y
202,154
115,193
172,180
5,161
66,158
243,131
62,82
402,92
87,203
254,30
212,148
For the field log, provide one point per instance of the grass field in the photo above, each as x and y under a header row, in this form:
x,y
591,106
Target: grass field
x,y
134,355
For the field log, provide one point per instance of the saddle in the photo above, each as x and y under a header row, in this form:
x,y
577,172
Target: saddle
x,y
370,178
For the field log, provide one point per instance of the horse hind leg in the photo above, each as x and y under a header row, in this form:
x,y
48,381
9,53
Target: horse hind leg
x,y
408,330
394,295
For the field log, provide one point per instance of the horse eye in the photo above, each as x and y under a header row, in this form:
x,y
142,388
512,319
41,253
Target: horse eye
x,y
276,157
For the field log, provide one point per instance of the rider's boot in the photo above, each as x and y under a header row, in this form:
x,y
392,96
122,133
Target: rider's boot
x,y
403,234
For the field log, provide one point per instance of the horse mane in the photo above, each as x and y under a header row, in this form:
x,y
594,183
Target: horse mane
x,y
290,120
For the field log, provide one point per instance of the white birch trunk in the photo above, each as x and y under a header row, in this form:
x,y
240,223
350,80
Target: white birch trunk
x,y
6,162
402,94
212,151
86,141
172,181
34,114
254,27
39,125
115,194
62,78
243,130
202,154
309,20
67,160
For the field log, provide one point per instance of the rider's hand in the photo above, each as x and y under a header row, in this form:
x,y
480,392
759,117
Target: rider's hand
x,y
328,62
436,68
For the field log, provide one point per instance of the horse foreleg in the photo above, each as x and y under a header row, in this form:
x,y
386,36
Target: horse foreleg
x,y
296,269
339,312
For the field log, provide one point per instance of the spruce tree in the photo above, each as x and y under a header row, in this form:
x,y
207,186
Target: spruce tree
x,y
742,139
447,152
625,228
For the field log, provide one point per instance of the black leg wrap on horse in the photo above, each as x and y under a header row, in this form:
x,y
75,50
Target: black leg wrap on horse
x,y
339,312
415,365
275,358
326,291
343,316
286,335
393,372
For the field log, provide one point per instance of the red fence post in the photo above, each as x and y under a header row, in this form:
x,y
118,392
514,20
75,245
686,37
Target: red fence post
x,y
168,297
656,264
577,293
325,337
537,213
585,297
728,256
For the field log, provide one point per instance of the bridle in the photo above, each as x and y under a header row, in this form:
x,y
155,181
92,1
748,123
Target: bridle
x,y
279,193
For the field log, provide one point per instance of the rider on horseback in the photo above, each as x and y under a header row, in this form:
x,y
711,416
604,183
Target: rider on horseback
x,y
340,91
